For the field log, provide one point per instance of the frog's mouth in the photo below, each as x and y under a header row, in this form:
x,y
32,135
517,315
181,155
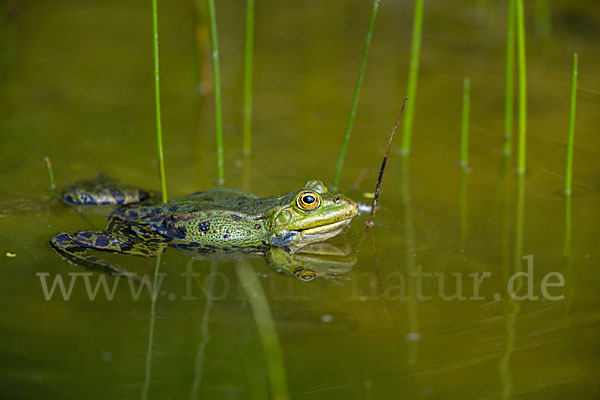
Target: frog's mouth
x,y
333,228
320,233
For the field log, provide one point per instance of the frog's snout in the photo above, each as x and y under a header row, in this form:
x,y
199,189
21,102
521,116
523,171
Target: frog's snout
x,y
350,205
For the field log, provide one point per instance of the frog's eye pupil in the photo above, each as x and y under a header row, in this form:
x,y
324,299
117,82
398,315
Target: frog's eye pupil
x,y
309,199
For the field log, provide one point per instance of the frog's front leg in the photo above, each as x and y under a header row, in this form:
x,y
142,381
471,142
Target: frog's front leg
x,y
74,247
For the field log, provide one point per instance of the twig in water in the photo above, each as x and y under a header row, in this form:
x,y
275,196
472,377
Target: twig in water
x,y
380,178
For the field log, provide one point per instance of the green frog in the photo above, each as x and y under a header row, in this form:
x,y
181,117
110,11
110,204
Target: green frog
x,y
217,221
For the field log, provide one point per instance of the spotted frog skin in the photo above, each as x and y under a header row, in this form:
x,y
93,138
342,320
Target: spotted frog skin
x,y
216,220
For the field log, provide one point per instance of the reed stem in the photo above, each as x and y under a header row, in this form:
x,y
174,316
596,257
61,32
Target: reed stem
x,y
161,159
464,137
248,65
509,96
361,70
569,169
413,76
217,88
522,88
464,159
50,174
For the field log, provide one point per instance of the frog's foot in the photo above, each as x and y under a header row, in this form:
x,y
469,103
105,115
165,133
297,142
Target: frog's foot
x,y
73,247
116,242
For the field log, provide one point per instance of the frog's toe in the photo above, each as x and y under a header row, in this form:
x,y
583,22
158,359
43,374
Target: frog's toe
x,y
104,241
64,243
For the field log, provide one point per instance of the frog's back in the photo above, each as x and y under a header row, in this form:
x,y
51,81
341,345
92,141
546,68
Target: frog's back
x,y
224,213
229,200
198,201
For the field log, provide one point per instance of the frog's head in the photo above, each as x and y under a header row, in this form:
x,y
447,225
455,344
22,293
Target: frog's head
x,y
313,215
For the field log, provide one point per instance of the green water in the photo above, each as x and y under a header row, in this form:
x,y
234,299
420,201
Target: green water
x,y
76,85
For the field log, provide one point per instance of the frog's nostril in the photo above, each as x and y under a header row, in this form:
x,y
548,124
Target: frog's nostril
x,y
336,200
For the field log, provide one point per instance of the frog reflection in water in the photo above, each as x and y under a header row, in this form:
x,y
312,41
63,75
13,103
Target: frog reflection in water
x,y
223,222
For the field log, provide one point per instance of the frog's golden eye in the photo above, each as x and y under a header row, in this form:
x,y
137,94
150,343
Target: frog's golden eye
x,y
308,201
305,274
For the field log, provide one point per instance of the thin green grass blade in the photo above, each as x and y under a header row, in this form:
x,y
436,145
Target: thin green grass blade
x,y
248,66
521,167
464,160
361,70
509,96
569,170
413,77
161,158
569,167
50,174
217,88
464,137
522,88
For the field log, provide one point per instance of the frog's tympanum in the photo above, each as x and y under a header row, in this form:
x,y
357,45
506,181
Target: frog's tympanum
x,y
218,221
